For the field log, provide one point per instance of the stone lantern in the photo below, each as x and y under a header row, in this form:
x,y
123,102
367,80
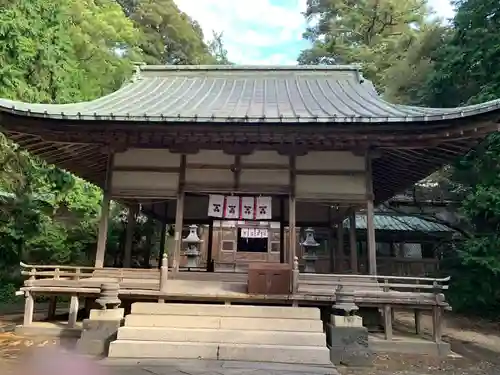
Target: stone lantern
x,y
310,245
193,246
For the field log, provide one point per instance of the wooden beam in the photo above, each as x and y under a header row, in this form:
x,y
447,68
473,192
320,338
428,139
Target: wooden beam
x,y
237,167
179,215
102,235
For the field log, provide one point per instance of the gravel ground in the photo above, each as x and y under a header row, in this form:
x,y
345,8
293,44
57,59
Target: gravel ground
x,y
398,364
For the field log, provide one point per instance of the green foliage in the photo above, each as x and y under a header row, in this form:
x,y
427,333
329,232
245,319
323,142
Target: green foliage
x,y
36,57
477,270
451,67
217,49
466,69
404,78
373,33
169,36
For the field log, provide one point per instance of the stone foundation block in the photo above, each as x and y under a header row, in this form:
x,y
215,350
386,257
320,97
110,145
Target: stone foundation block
x,y
346,321
97,336
349,346
111,314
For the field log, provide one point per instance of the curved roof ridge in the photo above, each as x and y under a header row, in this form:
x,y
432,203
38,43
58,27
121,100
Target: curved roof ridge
x,y
184,93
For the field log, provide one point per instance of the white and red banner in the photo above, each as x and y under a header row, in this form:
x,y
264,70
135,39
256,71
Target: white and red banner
x,y
247,208
240,208
263,208
216,206
232,208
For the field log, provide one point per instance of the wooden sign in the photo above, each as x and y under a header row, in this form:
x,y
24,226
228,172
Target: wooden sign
x,y
254,233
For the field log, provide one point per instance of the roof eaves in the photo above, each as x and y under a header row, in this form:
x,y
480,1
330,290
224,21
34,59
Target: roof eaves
x,y
251,68
239,119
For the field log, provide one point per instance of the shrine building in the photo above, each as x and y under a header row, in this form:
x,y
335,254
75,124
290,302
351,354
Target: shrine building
x,y
319,141
257,162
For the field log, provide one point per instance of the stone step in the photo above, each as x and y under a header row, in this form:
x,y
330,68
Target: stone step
x,y
281,312
233,323
230,352
225,336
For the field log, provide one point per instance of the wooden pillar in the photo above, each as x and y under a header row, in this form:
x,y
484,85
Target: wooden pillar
x,y
352,242
339,251
210,244
291,214
282,230
371,243
29,308
129,235
388,322
331,248
331,241
73,311
163,235
370,239
102,235
150,233
179,216
437,323
51,315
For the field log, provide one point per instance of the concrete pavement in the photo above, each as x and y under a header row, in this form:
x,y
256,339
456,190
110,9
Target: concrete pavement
x,y
206,367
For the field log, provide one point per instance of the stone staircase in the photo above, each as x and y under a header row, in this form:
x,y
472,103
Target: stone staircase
x,y
222,332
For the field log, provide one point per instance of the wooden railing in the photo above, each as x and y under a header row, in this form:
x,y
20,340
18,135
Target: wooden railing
x,y
389,292
57,272
396,266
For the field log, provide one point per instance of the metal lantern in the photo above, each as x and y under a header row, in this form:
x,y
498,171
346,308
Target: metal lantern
x,y
310,245
193,246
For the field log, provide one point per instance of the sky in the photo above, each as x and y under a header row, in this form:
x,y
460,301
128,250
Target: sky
x,y
262,32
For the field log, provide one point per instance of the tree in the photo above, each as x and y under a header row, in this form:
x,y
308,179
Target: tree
x,y
106,44
373,33
36,55
54,52
465,70
405,79
217,49
169,35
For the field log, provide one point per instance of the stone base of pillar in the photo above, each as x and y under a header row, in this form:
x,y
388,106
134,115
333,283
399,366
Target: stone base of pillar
x,y
349,345
110,314
99,331
346,321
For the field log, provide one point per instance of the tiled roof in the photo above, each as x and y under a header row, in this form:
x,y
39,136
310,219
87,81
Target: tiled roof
x,y
323,94
400,223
